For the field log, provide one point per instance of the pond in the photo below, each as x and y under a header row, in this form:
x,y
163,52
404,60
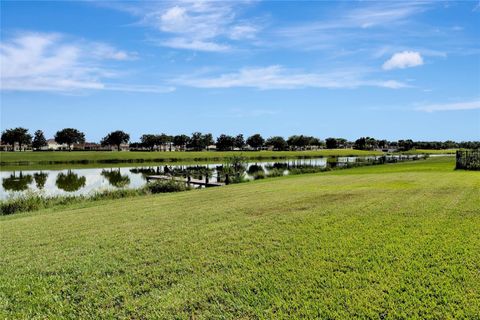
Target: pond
x,y
91,180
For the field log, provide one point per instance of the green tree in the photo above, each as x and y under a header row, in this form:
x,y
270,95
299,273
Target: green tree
x,y
256,141
69,136
16,135
207,139
313,141
365,143
163,139
149,141
239,141
181,141
299,142
405,145
39,140
200,141
225,142
278,143
115,138
342,143
331,143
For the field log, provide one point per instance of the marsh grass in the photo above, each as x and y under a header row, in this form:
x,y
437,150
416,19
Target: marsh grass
x,y
33,202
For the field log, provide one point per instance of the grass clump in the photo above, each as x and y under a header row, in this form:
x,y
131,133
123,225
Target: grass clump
x,y
275,173
33,202
167,186
258,175
307,169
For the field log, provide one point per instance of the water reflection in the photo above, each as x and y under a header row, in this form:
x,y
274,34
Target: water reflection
x,y
115,178
70,181
254,169
17,183
90,180
40,179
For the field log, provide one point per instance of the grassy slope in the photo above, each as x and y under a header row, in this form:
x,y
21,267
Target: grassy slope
x,y
77,156
429,151
399,241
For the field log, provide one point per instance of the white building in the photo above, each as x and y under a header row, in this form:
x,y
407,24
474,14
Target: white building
x,y
53,145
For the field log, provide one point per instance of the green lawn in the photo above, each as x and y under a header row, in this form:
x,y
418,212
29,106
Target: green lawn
x,y
430,151
46,157
398,241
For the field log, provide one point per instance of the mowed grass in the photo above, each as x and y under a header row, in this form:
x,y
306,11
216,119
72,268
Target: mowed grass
x,y
397,241
46,157
431,151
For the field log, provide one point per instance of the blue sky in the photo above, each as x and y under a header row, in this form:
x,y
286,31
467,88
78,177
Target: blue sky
x,y
347,69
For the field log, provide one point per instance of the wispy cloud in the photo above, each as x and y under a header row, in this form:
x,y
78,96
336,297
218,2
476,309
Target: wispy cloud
x,y
463,105
200,25
351,21
52,62
402,60
278,77
386,13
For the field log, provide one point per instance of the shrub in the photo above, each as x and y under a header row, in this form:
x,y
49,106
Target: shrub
x,y
22,203
164,186
306,169
275,173
259,175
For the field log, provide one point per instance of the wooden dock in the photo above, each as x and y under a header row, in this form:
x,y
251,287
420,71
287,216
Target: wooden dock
x,y
197,182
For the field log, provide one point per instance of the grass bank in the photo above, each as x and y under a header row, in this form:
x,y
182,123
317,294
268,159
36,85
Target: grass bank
x,y
391,241
430,151
86,157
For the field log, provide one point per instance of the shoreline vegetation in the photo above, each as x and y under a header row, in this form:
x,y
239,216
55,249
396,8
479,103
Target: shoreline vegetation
x,y
52,158
36,201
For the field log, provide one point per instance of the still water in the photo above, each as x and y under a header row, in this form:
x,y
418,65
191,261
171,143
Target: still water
x,y
88,181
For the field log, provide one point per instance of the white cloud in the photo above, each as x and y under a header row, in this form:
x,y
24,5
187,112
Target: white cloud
x,y
194,24
277,77
383,13
405,59
464,105
105,51
243,32
51,62
198,45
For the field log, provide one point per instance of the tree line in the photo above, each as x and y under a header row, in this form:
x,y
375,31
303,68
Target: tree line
x,y
198,141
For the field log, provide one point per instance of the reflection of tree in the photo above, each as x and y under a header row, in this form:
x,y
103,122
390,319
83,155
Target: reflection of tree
x,y
277,165
144,171
70,182
115,178
254,169
14,183
40,179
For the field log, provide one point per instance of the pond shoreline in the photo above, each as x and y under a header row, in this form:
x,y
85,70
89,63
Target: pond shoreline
x,y
130,157
32,201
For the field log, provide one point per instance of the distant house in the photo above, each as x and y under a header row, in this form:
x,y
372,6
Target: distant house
x,y
211,147
92,146
15,147
53,145
4,147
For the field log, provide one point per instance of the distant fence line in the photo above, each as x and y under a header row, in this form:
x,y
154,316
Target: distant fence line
x,y
468,159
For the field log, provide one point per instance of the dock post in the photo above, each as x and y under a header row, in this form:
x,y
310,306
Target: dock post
x,y
227,180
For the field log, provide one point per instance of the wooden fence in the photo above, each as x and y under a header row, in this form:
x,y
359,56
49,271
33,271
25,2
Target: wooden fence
x,y
468,159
